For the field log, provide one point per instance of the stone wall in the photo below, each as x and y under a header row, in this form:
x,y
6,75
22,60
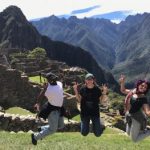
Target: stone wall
x,y
16,90
17,123
4,61
10,122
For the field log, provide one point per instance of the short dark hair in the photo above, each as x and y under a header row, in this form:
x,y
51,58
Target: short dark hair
x,y
52,78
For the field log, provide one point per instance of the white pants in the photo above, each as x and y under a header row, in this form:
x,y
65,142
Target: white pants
x,y
135,133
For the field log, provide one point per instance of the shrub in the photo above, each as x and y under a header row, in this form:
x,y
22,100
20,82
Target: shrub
x,y
38,53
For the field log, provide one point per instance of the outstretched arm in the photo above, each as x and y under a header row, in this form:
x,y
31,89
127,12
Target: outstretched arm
x,y
122,85
75,88
104,90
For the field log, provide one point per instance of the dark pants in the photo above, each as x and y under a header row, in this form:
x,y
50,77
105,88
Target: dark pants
x,y
85,123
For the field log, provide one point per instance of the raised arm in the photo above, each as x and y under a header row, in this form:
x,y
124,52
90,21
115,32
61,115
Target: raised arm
x,y
104,89
122,85
75,88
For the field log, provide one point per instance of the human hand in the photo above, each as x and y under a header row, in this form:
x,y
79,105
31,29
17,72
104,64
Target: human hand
x,y
45,85
75,86
122,79
37,107
104,88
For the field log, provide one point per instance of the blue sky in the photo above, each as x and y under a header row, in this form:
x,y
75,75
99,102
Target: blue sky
x,y
115,10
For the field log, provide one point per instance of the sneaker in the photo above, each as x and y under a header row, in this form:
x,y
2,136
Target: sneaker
x,y
34,141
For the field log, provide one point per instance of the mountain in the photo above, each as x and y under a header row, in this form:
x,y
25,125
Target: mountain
x,y
116,15
119,48
133,49
97,36
17,32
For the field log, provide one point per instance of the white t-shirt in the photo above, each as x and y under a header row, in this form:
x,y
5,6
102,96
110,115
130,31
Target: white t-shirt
x,y
54,94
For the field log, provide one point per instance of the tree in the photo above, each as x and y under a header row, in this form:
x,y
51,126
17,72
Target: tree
x,y
37,53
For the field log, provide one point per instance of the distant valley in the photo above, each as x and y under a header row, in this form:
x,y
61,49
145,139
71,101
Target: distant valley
x,y
17,33
120,48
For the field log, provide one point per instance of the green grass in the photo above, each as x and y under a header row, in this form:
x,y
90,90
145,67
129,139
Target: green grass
x,y
76,118
18,110
110,140
36,79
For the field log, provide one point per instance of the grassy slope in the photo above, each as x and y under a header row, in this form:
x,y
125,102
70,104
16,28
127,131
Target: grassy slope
x,y
18,110
110,140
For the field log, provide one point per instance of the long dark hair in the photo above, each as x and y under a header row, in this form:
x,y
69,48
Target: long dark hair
x,y
139,82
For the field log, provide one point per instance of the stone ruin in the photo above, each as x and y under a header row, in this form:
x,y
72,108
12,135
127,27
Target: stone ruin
x,y
16,90
10,122
4,61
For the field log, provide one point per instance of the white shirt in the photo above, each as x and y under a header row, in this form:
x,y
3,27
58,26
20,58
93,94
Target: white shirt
x,y
54,94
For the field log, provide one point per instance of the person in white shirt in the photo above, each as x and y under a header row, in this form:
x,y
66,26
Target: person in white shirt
x,y
53,91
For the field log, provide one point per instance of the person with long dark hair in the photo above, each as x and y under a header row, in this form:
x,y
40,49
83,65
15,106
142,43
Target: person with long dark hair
x,y
136,109
89,98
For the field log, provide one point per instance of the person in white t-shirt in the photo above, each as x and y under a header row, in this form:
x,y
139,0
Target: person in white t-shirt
x,y
53,91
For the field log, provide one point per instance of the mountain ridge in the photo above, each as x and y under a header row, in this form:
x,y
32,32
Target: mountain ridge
x,y
111,45
76,31
21,34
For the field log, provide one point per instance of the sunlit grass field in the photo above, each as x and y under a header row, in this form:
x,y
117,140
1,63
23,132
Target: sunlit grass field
x,y
110,140
36,79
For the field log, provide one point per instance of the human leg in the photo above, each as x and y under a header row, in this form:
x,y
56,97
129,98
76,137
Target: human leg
x,y
51,128
61,122
135,132
85,122
128,121
97,129
44,127
128,128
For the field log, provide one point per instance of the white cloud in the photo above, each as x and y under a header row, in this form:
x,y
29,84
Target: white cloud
x,y
134,6
42,8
